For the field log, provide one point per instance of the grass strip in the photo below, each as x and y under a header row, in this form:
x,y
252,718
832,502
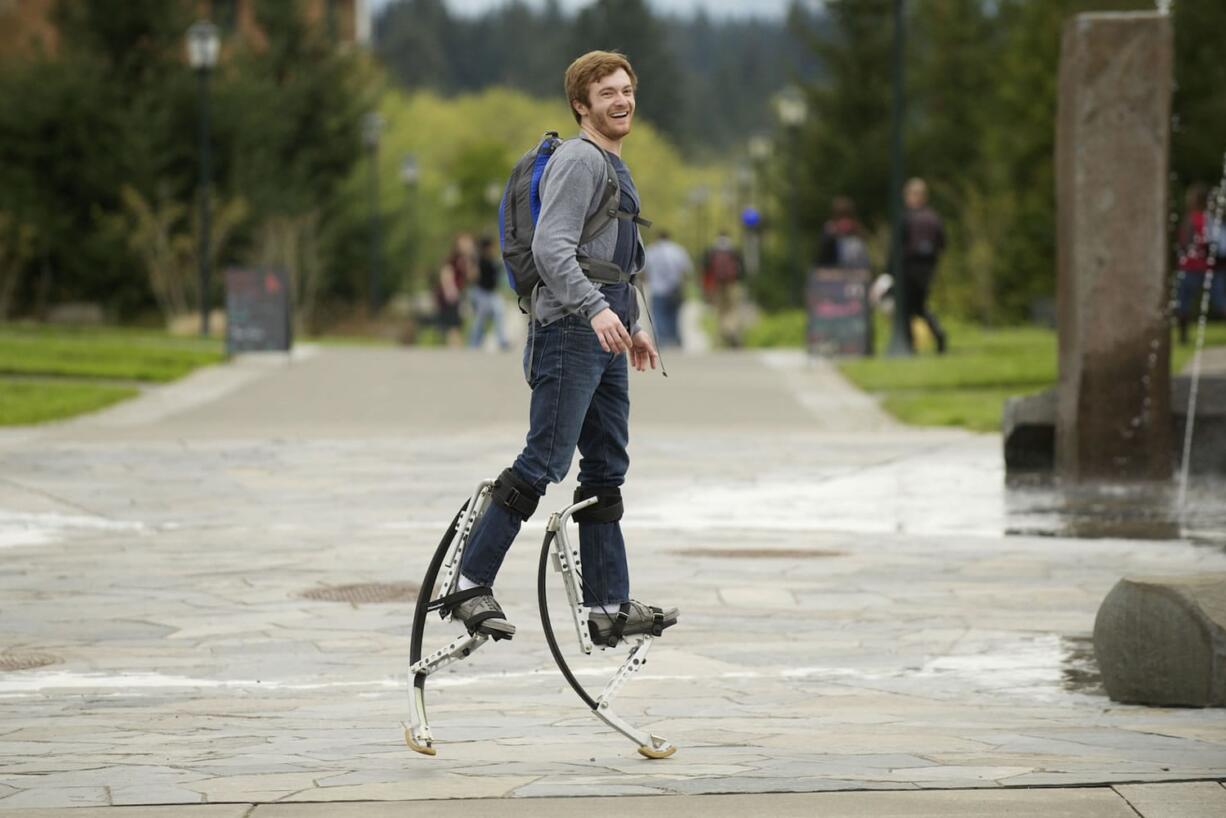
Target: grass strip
x,y
102,353
27,402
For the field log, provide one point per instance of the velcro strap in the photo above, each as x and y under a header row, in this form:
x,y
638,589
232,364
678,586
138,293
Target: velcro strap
x,y
515,494
444,604
608,509
475,621
657,621
619,625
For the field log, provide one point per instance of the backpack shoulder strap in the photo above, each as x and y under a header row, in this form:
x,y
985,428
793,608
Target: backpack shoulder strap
x,y
606,211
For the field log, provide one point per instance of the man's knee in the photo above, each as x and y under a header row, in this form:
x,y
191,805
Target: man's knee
x,y
607,509
515,494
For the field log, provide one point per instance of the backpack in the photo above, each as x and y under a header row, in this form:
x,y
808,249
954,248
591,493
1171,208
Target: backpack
x,y
723,265
521,207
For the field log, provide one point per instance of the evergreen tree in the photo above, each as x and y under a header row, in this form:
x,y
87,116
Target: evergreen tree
x,y
76,128
413,38
1199,104
843,150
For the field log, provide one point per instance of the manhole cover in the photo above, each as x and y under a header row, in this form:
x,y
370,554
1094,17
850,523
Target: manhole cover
x,y
365,593
762,553
25,661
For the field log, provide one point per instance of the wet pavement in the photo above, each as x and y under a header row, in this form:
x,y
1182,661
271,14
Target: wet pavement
x,y
864,605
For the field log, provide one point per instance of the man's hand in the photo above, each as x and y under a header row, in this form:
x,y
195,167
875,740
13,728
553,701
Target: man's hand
x,y
612,332
643,352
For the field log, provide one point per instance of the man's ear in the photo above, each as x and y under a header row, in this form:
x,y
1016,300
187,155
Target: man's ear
x,y
579,107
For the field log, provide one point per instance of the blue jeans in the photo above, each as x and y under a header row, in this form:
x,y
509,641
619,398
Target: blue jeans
x,y
487,307
580,398
665,308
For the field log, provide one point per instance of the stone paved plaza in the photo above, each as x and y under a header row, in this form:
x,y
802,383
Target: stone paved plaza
x,y
855,613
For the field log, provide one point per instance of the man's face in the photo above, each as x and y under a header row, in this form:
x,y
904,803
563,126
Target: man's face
x,y
610,107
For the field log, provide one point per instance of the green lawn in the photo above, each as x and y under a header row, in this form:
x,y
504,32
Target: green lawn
x,y
102,353
61,372
23,402
966,387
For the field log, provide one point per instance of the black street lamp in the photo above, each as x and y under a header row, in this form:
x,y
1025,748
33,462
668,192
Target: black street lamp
x,y
372,126
900,333
410,175
203,47
793,110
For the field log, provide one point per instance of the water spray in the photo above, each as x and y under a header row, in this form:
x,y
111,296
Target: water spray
x,y
1212,221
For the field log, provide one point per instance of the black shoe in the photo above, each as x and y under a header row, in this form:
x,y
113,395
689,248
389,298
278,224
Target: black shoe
x,y
633,619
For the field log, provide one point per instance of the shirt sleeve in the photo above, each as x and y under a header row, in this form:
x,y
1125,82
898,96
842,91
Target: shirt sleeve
x,y
568,187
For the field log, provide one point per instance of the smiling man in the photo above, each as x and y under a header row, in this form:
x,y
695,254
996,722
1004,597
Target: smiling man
x,y
577,365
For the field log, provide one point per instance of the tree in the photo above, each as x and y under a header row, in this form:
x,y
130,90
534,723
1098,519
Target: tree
x,y
1199,104
953,70
77,127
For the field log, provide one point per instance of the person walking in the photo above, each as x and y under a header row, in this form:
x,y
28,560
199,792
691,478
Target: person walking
x,y
453,278
923,241
1199,243
842,243
667,267
487,303
722,271
576,360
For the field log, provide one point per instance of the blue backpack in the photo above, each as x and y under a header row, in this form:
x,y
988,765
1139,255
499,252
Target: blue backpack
x,y
521,207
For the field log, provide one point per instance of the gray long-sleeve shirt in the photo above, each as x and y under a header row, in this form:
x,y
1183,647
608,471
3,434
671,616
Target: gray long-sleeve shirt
x,y
571,189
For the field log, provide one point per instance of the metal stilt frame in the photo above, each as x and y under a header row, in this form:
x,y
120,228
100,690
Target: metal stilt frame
x,y
565,558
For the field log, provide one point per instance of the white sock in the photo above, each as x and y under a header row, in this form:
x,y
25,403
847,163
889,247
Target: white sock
x,y
611,610
465,583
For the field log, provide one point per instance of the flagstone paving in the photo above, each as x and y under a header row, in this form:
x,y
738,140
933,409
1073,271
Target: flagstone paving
x,y
856,614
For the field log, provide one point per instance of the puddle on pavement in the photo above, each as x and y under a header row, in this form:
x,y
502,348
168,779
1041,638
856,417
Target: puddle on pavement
x,y
1141,512
1079,666
761,553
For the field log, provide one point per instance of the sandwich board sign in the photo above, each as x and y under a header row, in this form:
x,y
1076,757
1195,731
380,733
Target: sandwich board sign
x,y
258,312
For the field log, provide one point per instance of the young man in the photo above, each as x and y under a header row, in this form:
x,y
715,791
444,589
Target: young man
x,y
577,367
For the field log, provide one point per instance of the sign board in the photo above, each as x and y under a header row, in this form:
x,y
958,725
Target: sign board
x,y
258,313
840,321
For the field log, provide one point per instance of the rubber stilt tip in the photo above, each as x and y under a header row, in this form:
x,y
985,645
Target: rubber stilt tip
x,y
657,752
424,749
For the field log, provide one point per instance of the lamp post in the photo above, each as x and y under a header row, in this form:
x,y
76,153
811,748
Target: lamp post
x,y
792,111
760,149
900,329
372,126
203,46
410,175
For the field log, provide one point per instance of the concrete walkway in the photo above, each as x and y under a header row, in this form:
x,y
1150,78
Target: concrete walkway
x,y
856,614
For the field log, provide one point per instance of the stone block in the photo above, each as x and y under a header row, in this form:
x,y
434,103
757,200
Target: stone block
x,y
1029,430
1028,425
1162,640
1112,140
